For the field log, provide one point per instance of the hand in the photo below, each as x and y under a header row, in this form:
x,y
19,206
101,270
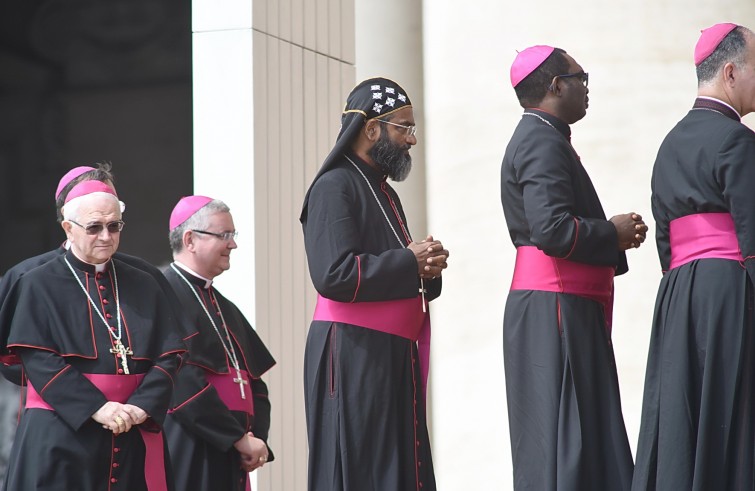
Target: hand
x,y
138,415
253,452
113,417
431,257
630,229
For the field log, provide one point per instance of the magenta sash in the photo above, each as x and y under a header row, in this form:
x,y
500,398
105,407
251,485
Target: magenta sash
x,y
535,270
703,236
403,318
118,388
229,392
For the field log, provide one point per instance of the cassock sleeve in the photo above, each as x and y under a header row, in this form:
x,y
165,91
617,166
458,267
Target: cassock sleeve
x,y
543,171
261,413
73,397
736,176
197,406
11,371
154,392
338,265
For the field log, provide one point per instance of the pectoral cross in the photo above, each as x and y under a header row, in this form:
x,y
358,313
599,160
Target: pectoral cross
x,y
121,352
422,291
239,380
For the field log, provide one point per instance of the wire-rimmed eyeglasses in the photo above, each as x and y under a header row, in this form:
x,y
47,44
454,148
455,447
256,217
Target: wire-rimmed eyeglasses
x,y
408,130
225,236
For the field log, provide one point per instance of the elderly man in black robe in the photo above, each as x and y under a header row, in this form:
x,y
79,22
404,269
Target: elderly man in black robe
x,y
366,355
566,426
697,430
98,347
102,173
218,426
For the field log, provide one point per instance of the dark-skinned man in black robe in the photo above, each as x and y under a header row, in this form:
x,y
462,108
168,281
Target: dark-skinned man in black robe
x,y
697,431
219,420
366,355
98,346
566,425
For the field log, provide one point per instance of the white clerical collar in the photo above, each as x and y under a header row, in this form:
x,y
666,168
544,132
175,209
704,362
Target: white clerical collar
x,y
98,268
207,284
720,102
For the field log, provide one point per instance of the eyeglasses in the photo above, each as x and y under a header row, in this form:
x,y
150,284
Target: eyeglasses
x,y
224,236
583,76
96,228
408,130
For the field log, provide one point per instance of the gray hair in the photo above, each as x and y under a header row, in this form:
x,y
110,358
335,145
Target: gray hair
x,y
70,210
732,49
198,221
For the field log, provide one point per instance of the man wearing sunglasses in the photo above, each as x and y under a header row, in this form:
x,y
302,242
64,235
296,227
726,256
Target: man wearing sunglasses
x,y
102,173
697,427
218,425
100,351
566,426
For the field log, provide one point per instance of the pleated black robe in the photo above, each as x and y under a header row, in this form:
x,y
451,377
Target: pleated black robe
x,y
697,430
365,412
49,324
200,428
566,426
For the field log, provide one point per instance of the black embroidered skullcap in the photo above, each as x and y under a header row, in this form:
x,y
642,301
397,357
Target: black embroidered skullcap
x,y
370,99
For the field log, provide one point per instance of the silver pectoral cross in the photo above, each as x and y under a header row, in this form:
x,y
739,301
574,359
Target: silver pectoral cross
x,y
239,380
121,352
422,291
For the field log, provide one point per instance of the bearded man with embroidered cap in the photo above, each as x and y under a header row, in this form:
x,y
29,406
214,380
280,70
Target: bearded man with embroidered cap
x,y
367,351
566,426
97,344
697,428
218,426
102,173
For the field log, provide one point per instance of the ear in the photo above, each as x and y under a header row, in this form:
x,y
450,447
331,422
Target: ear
x,y
188,240
555,87
372,130
67,228
729,73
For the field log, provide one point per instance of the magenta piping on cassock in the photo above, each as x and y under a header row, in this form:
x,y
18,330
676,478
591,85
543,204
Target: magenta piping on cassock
x,y
535,270
118,388
403,318
703,236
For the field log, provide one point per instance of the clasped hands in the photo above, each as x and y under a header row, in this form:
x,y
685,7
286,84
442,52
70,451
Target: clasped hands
x,y
119,418
431,257
253,452
630,229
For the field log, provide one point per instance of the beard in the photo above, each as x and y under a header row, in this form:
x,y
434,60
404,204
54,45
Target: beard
x,y
392,159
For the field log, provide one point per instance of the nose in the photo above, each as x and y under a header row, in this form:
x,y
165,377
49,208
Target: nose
x,y
411,139
232,243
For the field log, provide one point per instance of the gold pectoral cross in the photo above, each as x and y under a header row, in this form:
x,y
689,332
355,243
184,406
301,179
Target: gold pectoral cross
x,y
239,380
121,352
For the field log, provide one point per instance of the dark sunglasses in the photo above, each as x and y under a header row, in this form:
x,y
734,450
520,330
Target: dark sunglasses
x,y
96,228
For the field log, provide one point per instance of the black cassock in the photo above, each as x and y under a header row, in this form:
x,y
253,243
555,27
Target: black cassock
x,y
697,429
13,372
48,322
365,410
200,428
566,426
